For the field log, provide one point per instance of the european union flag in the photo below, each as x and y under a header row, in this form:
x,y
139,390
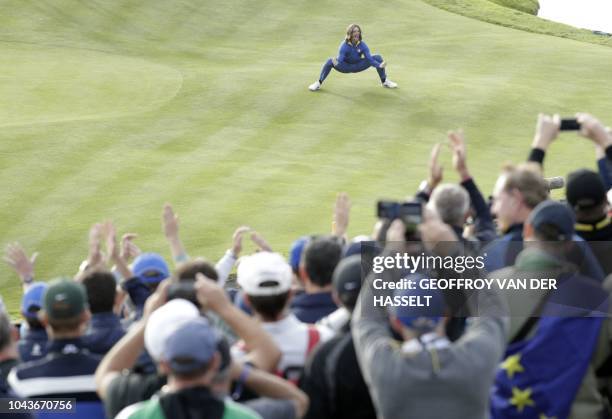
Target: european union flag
x,y
540,376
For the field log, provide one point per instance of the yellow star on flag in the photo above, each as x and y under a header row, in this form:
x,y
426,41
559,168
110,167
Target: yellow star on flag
x,y
543,416
512,365
521,398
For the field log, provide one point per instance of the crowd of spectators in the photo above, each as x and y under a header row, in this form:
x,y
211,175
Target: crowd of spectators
x,y
267,336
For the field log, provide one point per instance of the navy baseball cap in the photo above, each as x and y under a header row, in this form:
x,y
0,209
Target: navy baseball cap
x,y
191,346
346,280
32,301
554,214
423,319
150,268
354,248
295,252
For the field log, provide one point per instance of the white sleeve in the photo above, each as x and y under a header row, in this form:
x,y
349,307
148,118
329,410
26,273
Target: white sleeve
x,y
224,267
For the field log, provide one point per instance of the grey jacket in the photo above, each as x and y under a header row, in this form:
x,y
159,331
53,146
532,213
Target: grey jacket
x,y
449,382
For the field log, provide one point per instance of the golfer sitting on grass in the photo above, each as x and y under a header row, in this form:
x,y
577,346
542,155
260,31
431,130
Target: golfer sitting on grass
x,y
354,57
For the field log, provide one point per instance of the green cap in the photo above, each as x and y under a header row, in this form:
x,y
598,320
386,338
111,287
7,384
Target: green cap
x,y
64,299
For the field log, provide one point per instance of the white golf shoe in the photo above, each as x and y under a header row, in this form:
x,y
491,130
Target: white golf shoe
x,y
389,84
315,86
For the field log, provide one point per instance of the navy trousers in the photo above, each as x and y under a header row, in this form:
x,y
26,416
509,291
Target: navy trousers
x,y
362,65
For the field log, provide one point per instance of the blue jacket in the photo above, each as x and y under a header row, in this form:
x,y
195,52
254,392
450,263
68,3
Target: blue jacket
x,y
349,54
310,308
32,345
66,372
104,331
502,252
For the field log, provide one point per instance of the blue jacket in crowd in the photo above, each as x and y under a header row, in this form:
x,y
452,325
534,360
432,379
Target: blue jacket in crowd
x,y
32,344
105,329
310,308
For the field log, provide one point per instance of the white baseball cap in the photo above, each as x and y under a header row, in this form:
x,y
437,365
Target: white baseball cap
x,y
164,321
264,274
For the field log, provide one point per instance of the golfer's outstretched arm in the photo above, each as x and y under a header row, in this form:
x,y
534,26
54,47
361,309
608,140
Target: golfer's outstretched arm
x,y
368,56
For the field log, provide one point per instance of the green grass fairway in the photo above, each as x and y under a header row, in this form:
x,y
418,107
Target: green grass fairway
x,y
111,108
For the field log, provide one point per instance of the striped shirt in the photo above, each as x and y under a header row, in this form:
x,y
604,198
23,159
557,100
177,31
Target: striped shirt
x,y
66,372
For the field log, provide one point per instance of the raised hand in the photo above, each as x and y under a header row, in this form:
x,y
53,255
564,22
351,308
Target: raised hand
x,y
547,129
435,169
115,255
457,145
95,258
129,250
593,129
210,295
23,265
170,225
260,242
237,240
342,211
170,222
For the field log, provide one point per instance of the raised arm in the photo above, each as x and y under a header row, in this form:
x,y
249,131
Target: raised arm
x,y
124,354
170,223
271,386
263,352
485,228
547,129
23,265
368,56
340,219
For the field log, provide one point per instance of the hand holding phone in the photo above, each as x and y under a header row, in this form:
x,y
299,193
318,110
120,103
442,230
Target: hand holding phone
x,y
569,124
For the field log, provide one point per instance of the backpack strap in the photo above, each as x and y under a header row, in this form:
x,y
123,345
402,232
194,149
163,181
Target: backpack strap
x,y
314,336
534,317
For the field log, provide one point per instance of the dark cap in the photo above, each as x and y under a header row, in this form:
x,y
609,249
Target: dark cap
x,y
555,214
64,299
347,280
585,189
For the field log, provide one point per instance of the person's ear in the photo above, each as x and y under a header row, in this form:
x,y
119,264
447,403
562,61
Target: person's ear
x,y
215,363
302,272
85,318
528,231
14,334
120,296
336,298
163,367
290,296
43,318
247,301
518,198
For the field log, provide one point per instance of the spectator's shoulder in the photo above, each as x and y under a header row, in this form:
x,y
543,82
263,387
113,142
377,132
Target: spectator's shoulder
x,y
234,410
149,409
30,368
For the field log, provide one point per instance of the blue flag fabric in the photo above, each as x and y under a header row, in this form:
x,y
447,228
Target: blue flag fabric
x,y
539,377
